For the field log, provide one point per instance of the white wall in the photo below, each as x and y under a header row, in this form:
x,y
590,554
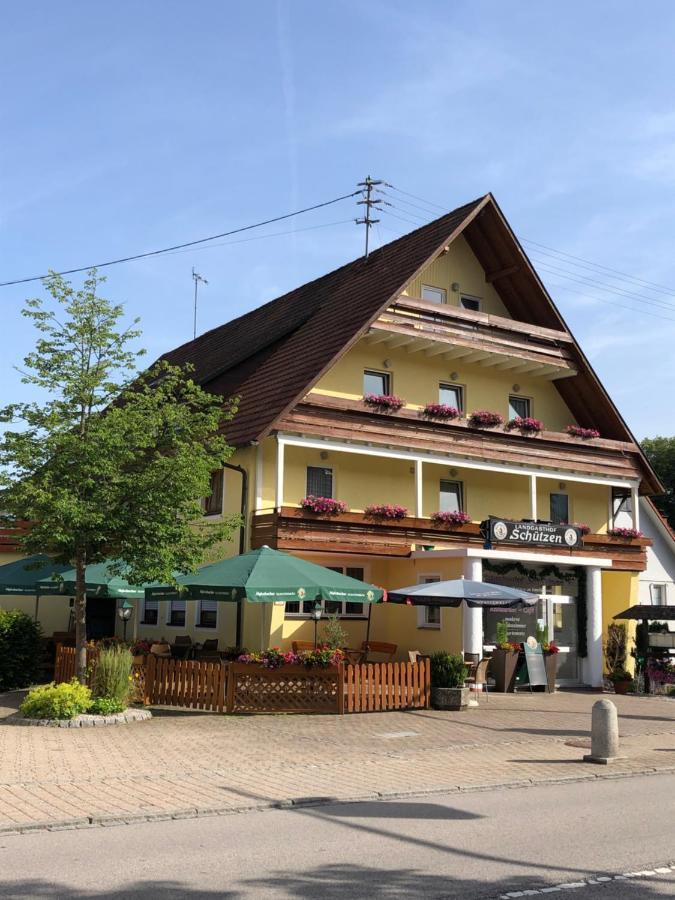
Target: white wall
x,y
660,557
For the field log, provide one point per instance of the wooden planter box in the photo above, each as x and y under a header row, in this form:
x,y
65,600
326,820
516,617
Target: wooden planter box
x,y
503,666
551,664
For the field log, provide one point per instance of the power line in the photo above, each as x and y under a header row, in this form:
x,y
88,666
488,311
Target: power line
x,y
213,237
612,303
401,218
415,197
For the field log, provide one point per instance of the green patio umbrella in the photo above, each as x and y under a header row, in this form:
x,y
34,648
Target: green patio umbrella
x,y
267,576
100,581
31,577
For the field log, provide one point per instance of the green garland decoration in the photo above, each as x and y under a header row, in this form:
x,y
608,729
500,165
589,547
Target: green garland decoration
x,y
537,574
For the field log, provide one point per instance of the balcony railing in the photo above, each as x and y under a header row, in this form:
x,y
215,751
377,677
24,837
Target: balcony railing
x,y
293,529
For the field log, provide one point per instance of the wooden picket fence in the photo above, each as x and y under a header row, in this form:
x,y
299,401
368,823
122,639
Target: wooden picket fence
x,y
375,687
188,683
235,687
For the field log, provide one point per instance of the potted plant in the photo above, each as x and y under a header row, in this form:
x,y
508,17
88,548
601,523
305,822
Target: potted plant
x,y
586,434
621,679
440,411
140,649
504,663
626,534
323,506
383,402
450,518
525,424
386,511
448,673
483,418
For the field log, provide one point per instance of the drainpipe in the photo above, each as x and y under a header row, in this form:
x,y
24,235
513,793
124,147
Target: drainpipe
x,y
242,535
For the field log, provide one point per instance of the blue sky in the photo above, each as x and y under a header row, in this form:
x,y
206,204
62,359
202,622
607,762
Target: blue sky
x,y
132,126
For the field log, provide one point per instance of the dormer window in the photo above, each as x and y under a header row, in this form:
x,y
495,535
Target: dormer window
x,y
472,303
434,294
378,383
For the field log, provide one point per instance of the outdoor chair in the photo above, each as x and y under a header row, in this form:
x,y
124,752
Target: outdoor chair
x,y
414,655
209,651
299,646
388,650
182,647
479,676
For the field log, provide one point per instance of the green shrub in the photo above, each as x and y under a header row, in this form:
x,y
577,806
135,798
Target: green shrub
x,y
20,650
112,679
57,701
105,706
448,670
502,633
333,634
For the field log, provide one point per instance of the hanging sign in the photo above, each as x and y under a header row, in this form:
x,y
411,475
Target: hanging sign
x,y
546,534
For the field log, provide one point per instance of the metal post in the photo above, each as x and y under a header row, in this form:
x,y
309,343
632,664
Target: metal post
x,y
196,278
368,184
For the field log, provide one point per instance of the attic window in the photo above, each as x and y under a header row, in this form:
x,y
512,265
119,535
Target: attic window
x,y
472,303
213,504
434,294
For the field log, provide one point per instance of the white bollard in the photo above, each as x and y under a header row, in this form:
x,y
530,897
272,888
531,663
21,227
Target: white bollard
x,y
604,734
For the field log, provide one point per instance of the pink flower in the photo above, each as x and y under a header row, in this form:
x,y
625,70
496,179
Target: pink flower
x,y
388,402
585,433
483,418
388,511
627,533
323,505
526,424
440,411
450,518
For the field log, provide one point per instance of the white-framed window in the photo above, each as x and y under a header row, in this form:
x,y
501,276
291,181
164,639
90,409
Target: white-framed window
x,y
622,508
434,294
467,302
451,395
319,481
150,611
175,613
428,616
559,508
519,406
658,594
213,504
207,614
344,608
375,382
451,496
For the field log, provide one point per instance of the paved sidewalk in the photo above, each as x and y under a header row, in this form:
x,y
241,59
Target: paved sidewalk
x,y
183,763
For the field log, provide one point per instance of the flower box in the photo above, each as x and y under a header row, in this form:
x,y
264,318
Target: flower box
x,y
323,506
627,534
585,434
440,411
450,518
525,424
386,511
483,418
383,402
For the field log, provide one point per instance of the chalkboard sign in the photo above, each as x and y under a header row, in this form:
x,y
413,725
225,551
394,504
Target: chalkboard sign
x,y
536,670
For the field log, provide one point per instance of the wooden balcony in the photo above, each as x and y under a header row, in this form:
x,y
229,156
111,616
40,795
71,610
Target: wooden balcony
x,y
10,536
296,530
474,337
351,421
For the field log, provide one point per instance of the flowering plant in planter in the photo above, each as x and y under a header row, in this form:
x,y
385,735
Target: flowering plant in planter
x,y
661,672
450,518
582,526
384,402
440,411
386,511
584,433
483,418
141,647
275,658
550,647
526,424
510,646
627,533
324,506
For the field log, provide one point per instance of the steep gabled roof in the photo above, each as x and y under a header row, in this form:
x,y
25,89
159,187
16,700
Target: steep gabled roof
x,y
273,355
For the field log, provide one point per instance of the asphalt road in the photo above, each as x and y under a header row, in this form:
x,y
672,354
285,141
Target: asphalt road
x,y
454,845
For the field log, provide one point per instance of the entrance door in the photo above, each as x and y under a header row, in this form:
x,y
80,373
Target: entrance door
x,y
561,619
101,613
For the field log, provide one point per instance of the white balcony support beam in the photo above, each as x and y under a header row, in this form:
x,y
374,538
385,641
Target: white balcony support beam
x,y
447,460
635,505
419,488
593,663
279,492
533,497
472,617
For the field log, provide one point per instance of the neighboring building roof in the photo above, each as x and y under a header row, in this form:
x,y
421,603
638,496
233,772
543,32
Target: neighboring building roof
x,y
659,519
648,612
271,357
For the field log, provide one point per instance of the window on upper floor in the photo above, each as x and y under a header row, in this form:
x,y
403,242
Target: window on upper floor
x,y
451,395
622,508
658,594
559,508
451,496
376,382
319,481
519,406
472,303
434,294
213,504
342,608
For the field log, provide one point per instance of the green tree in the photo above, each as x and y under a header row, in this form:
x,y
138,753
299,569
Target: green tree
x,y
660,452
110,463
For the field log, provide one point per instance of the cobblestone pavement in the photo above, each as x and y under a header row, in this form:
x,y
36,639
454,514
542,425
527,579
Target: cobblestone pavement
x,y
184,763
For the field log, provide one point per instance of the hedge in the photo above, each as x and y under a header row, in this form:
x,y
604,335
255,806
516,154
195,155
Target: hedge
x,y
20,650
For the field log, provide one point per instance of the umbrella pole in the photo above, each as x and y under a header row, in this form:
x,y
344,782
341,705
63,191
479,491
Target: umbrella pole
x,y
370,610
37,607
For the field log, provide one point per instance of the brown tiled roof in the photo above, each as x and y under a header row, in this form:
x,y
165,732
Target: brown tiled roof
x,y
271,356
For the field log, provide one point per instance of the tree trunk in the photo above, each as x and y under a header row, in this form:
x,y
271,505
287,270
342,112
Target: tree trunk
x,y
81,616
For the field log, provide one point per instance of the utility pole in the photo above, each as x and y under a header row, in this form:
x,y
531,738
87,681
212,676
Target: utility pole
x,y
369,203
196,278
